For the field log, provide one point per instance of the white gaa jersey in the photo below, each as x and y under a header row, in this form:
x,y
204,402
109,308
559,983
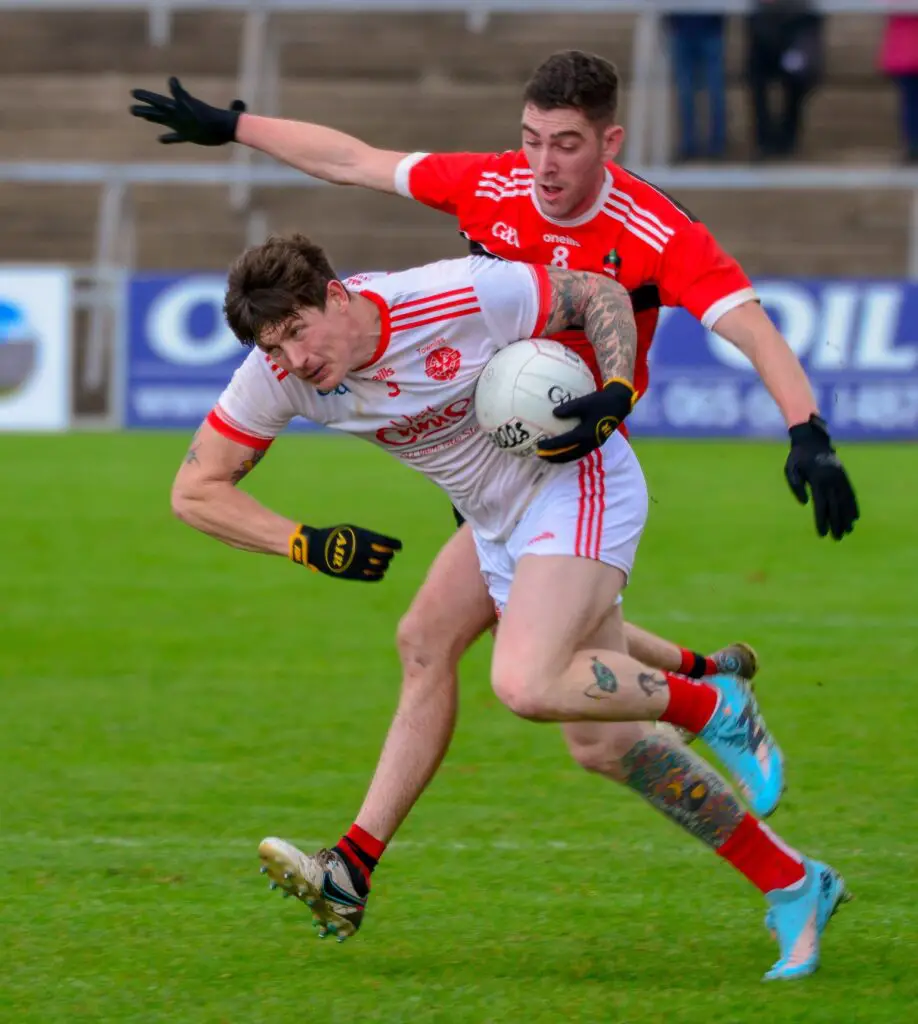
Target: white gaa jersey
x,y
441,323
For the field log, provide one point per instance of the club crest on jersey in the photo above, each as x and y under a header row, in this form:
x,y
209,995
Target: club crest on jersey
x,y
611,262
442,364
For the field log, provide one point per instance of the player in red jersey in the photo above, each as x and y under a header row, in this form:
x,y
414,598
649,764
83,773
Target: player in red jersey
x,y
560,198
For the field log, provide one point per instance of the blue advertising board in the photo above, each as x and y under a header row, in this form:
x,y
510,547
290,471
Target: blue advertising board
x,y
857,339
180,352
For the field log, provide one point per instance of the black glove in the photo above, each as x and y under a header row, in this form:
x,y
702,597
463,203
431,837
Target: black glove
x,y
812,460
191,120
348,552
600,415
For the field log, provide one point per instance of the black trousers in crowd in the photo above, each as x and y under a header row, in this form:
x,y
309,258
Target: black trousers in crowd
x,y
783,68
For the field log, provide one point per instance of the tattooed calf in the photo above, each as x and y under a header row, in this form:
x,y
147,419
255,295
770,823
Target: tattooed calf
x,y
684,788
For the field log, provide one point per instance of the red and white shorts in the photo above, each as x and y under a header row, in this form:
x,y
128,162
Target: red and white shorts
x,y
593,508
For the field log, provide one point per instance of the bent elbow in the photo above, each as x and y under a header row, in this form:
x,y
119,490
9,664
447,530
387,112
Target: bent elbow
x,y
182,502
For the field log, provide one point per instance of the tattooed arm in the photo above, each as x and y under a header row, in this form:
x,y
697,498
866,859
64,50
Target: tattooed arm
x,y
604,308
205,496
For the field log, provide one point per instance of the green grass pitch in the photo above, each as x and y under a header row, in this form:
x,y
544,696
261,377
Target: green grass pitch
x,y
167,702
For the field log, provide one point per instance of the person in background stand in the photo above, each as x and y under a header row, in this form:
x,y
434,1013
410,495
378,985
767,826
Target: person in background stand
x,y
698,63
784,47
899,60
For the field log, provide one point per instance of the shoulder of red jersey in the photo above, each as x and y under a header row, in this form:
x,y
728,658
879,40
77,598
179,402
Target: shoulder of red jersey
x,y
445,180
645,209
505,176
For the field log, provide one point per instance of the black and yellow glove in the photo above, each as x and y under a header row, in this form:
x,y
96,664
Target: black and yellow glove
x,y
345,551
600,415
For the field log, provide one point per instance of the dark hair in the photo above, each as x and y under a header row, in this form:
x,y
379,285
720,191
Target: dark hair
x,y
572,78
268,283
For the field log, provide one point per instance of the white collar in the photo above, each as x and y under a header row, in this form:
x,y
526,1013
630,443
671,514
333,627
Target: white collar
x,y
584,218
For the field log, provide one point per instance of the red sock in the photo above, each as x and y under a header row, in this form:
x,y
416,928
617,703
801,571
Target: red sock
x,y
695,665
756,852
691,703
361,850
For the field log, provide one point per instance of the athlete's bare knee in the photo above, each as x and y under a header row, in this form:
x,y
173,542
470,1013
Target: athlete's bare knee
x,y
522,689
425,644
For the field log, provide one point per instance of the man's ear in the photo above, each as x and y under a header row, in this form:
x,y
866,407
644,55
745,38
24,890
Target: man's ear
x,y
336,295
613,136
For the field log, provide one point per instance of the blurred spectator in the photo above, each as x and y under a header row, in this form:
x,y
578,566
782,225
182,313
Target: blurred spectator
x,y
697,48
784,48
899,60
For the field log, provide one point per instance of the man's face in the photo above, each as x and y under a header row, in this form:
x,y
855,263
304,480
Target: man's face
x,y
314,345
567,155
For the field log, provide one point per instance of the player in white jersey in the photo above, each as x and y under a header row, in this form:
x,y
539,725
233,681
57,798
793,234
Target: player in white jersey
x,y
395,359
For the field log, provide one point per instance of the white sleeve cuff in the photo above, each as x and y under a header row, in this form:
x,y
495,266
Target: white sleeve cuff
x,y
725,304
403,173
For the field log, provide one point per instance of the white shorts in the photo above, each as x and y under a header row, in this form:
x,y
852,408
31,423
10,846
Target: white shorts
x,y
593,508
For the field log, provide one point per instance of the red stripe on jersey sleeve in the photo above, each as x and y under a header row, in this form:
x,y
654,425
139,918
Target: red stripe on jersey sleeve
x,y
437,319
434,297
543,286
217,419
454,306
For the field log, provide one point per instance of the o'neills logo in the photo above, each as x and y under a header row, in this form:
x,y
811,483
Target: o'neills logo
x,y
560,240
407,430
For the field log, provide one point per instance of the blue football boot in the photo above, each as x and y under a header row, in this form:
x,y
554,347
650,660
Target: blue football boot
x,y
799,916
737,734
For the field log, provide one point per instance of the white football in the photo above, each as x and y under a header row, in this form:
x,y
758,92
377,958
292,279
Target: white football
x,y
521,385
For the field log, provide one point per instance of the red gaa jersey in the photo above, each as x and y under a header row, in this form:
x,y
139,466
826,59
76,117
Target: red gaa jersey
x,y
633,232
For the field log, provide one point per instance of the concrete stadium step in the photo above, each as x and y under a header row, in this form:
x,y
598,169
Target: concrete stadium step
x,y
47,223
190,228
92,42
397,47
840,122
389,47
84,117
809,233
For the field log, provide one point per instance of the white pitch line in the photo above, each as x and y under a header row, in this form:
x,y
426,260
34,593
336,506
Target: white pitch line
x,y
470,846
803,622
